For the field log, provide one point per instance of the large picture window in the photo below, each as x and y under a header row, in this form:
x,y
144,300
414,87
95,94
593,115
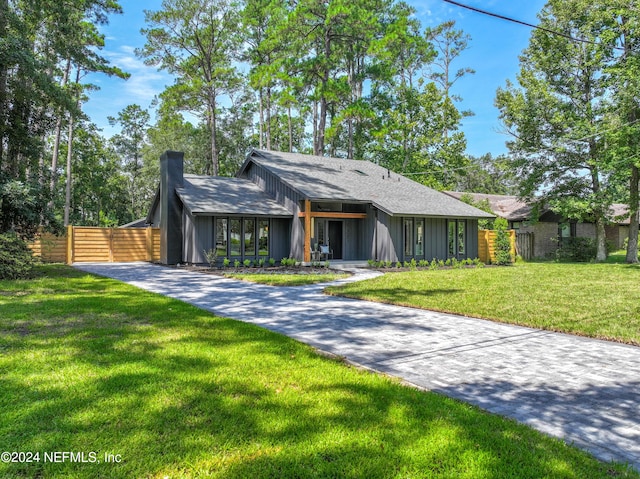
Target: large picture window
x,y
408,238
235,235
242,237
249,237
419,250
221,237
456,238
263,237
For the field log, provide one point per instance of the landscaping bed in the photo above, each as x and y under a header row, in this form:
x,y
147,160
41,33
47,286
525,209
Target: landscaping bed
x,y
287,275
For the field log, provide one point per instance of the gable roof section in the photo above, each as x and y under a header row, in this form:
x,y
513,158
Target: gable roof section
x,y
205,195
332,179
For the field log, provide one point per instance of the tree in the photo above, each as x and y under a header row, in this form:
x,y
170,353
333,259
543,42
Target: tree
x,y
556,114
36,38
623,75
198,41
129,144
486,174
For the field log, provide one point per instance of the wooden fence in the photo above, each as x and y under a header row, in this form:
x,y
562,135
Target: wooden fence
x,y
107,245
486,245
524,245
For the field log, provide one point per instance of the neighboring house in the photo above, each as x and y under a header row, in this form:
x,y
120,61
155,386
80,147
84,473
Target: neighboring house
x,y
550,228
139,223
288,205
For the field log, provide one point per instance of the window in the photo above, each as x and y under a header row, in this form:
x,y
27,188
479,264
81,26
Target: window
x,y
235,233
408,238
461,237
566,231
263,237
420,237
249,237
452,238
456,238
221,237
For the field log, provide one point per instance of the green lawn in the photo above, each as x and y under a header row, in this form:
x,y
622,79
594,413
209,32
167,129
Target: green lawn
x,y
95,366
596,300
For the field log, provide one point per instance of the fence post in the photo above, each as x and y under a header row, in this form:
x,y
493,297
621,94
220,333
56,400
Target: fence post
x,y
149,233
111,245
70,244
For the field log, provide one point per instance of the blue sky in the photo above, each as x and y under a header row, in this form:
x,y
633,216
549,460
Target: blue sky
x,y
493,53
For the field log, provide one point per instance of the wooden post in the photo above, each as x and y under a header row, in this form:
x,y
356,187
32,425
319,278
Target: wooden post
x,y
149,244
70,244
111,243
307,231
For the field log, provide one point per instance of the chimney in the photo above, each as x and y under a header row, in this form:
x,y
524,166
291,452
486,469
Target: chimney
x,y
171,177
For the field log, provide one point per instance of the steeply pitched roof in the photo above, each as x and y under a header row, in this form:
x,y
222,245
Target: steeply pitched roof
x,y
333,179
205,195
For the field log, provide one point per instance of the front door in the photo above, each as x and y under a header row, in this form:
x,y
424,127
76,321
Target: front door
x,y
335,238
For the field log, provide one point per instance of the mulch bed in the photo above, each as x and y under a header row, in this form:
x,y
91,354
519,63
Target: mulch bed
x,y
302,270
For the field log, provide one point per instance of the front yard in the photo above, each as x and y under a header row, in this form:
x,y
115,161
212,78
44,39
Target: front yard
x,y
139,385
595,300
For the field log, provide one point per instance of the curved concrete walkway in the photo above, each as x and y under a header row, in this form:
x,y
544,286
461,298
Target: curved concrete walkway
x,y
584,391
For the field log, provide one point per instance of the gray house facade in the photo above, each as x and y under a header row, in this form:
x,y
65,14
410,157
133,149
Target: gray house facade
x,y
289,205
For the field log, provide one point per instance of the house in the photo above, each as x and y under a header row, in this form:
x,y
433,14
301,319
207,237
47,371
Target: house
x,y
288,205
549,229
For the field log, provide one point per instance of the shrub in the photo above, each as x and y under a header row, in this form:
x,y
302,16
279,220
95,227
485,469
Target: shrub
x,y
16,259
502,242
247,263
211,256
272,262
236,264
577,250
226,262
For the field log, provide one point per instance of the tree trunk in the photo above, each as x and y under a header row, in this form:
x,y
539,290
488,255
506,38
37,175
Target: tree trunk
x,y
214,145
56,142
290,127
67,201
601,240
261,122
315,127
4,13
268,118
634,204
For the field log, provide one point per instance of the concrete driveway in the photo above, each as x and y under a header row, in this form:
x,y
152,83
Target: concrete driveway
x,y
584,391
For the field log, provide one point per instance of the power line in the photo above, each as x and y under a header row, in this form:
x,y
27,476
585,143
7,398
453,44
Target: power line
x,y
520,22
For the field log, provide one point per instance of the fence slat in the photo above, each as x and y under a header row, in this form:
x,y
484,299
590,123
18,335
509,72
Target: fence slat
x,y
93,244
486,245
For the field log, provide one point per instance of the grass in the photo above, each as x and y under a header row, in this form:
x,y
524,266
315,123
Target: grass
x,y
287,279
88,364
594,300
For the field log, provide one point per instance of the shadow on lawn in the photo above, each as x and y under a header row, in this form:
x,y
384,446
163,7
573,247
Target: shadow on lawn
x,y
179,393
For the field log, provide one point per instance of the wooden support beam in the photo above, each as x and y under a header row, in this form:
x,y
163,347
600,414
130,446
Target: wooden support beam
x,y
335,215
307,231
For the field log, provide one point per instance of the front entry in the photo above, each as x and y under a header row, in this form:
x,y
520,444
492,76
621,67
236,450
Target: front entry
x,y
335,238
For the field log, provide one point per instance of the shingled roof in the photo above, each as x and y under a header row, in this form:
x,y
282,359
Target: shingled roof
x,y
204,195
513,209
332,179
